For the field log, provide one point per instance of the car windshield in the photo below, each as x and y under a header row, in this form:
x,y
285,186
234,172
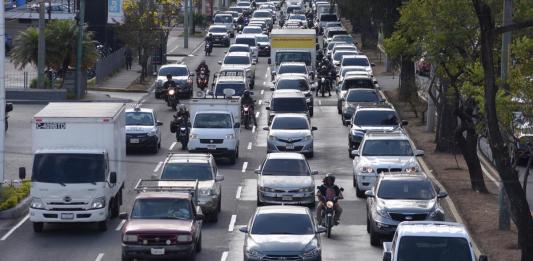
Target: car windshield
x,y
244,4
223,19
237,60
406,189
290,123
357,83
297,17
379,147
345,48
212,121
362,96
289,105
174,71
292,69
139,118
355,62
344,38
187,171
302,57
328,18
237,87
338,55
233,49
262,39
292,84
217,29
375,118
248,41
332,44
161,208
420,248
282,224
293,9
336,32
262,14
68,168
285,167
252,30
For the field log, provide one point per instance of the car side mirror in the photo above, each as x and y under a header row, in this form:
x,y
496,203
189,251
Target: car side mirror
x,y
373,64
219,62
269,61
483,258
266,128
355,153
314,128
313,88
9,107
387,256
123,215
219,178
272,88
369,193
243,229
442,194
419,153
191,74
404,123
113,177
254,62
237,125
22,173
267,108
199,216
159,123
257,171
314,172
225,52
321,229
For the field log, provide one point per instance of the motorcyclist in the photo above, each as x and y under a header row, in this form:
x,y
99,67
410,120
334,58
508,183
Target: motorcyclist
x,y
182,113
209,40
247,99
328,191
201,66
319,56
322,73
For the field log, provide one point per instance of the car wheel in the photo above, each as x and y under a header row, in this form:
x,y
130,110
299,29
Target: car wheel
x,y
367,225
358,192
311,112
115,207
219,206
374,238
155,148
199,244
310,154
350,154
126,258
259,203
233,157
38,227
214,217
354,182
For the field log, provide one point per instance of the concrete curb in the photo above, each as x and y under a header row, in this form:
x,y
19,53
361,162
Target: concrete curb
x,y
43,102
17,211
115,90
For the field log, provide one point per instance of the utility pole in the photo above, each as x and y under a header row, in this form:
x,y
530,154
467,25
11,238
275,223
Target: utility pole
x,y
79,54
504,221
191,17
41,47
2,93
186,24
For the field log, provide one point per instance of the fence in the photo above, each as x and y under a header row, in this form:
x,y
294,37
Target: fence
x,y
109,65
19,80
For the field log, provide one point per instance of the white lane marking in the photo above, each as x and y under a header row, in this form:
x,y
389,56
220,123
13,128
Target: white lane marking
x,y
262,92
260,102
253,129
490,176
158,166
232,223
142,101
257,114
249,145
264,83
15,227
99,257
224,256
319,102
172,146
119,227
239,191
244,166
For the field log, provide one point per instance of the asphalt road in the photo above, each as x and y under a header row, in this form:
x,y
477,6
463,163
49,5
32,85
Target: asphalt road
x,y
222,240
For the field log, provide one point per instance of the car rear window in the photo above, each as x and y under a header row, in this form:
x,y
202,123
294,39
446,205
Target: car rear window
x,y
290,123
419,248
362,96
400,148
245,49
406,189
328,18
375,118
355,62
236,60
292,69
223,19
187,171
357,83
248,41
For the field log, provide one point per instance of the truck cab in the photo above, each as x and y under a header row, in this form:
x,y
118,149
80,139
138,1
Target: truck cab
x,y
430,240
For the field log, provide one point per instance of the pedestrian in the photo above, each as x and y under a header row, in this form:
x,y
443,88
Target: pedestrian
x,y
129,58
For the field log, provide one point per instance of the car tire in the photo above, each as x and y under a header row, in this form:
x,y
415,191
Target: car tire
x,y
126,258
199,245
311,112
115,207
155,148
367,225
359,193
354,182
219,206
310,154
374,238
350,154
259,203
233,157
213,217
38,227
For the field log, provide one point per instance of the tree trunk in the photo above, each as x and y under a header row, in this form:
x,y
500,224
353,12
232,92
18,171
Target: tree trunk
x,y
447,121
407,78
517,198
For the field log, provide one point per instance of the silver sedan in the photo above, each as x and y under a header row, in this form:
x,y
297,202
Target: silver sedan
x,y
290,133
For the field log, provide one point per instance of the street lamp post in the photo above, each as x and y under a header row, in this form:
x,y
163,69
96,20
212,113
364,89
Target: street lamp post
x,y
79,54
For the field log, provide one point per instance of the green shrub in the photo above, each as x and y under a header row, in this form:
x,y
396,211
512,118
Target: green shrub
x,y
47,83
12,195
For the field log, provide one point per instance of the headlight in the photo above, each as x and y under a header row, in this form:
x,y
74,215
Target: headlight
x,y
307,100
206,192
412,169
98,203
189,81
230,136
193,136
271,137
130,238
184,238
308,189
159,83
436,211
266,189
312,253
152,133
380,210
308,137
366,170
254,253
329,204
37,203
171,92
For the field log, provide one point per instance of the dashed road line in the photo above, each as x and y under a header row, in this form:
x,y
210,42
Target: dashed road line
x,y
262,92
260,102
249,145
15,227
224,256
232,223
257,114
158,166
244,166
172,146
264,83
99,257
319,102
253,129
119,227
239,191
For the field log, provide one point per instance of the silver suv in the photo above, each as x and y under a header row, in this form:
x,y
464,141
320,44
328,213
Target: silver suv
x,y
397,198
201,167
290,132
383,152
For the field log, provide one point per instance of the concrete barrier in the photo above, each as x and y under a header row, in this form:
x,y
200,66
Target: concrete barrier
x,y
35,94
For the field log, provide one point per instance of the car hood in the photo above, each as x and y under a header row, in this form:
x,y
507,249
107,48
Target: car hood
x,y
280,243
411,206
388,160
140,226
263,43
371,128
175,78
286,182
236,66
285,134
219,34
138,129
355,104
206,184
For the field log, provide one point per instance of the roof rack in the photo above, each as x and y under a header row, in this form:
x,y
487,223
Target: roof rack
x,y
168,185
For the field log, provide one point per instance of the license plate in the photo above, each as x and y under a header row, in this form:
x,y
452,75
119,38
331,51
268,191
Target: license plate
x,y
211,147
67,215
290,146
134,140
157,251
286,198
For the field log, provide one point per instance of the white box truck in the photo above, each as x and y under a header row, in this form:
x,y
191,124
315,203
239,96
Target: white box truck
x,y
216,126
293,45
77,173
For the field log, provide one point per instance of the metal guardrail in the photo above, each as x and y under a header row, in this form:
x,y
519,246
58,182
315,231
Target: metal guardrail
x,y
109,65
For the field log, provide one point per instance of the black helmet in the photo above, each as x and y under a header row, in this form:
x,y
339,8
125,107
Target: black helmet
x,y
329,176
169,76
182,108
319,51
246,93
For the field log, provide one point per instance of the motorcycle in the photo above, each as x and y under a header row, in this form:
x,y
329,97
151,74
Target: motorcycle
x,y
208,48
328,215
323,85
172,99
181,127
246,115
202,80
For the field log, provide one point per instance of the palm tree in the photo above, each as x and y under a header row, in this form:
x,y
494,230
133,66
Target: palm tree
x,y
25,48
